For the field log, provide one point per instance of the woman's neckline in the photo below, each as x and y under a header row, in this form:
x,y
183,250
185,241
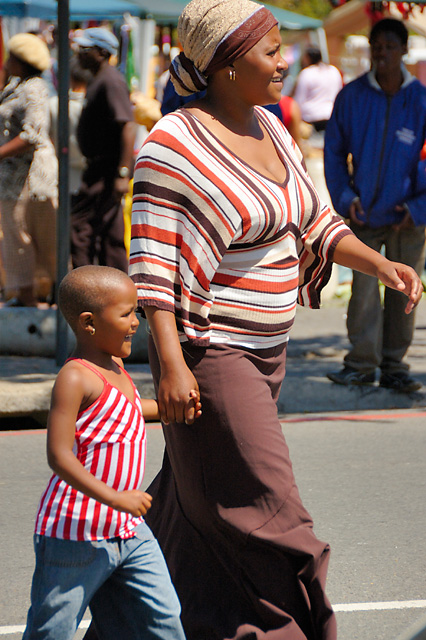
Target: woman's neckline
x,y
283,183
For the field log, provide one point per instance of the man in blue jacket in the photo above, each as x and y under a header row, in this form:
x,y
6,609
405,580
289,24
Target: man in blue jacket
x,y
376,179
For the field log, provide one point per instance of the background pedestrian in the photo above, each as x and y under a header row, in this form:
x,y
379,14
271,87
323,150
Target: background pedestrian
x,y
28,172
106,136
379,120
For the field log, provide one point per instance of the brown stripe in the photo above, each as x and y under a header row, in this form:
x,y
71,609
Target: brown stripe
x,y
189,67
241,40
199,219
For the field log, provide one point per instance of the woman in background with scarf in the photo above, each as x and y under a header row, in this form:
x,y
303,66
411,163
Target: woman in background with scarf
x,y
28,171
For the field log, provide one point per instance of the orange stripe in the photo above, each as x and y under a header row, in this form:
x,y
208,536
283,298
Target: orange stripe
x,y
367,417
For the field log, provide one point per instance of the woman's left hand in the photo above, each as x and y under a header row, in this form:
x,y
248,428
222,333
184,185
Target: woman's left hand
x,y
351,252
402,278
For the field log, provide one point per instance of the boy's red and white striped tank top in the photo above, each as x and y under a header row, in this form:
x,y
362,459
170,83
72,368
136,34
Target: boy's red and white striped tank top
x,y
110,442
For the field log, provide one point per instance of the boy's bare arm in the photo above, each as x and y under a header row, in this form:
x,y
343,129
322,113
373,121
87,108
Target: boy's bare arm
x,y
150,409
70,390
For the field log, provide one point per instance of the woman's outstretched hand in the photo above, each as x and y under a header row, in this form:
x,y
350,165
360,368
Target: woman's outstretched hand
x,y
402,278
351,252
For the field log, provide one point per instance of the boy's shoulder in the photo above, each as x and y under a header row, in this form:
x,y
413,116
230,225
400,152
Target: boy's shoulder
x,y
76,385
75,373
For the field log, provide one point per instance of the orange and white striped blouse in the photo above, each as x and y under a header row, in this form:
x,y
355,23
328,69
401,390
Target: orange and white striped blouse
x,y
224,248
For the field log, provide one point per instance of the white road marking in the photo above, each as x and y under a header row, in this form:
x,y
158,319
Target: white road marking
x,y
338,608
20,628
380,606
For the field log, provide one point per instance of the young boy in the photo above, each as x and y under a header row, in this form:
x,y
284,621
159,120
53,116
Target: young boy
x,y
92,545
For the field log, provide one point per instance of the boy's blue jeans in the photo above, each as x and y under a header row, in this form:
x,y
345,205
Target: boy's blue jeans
x,y
125,583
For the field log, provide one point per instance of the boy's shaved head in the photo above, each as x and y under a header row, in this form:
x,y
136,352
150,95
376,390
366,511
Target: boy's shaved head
x,y
87,289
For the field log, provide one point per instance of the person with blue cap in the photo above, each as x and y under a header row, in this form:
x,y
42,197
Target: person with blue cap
x,y
98,37
106,136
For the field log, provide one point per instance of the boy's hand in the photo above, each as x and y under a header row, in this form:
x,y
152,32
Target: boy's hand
x,y
135,502
193,407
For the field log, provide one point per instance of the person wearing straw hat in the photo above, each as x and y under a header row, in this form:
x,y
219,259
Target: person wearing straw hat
x,y
228,233
28,171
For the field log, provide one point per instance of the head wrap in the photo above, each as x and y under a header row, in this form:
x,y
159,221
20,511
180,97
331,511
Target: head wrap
x,y
30,49
213,34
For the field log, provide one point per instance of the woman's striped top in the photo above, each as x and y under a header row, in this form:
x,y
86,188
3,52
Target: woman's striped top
x,y
110,442
224,248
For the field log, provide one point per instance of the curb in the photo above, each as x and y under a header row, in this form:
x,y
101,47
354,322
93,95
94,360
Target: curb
x,y
317,346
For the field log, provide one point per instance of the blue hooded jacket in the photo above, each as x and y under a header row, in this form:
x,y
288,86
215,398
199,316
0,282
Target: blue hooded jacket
x,y
385,135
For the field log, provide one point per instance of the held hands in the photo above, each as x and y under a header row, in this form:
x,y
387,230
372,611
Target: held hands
x,y
406,222
134,502
402,278
179,396
193,408
356,212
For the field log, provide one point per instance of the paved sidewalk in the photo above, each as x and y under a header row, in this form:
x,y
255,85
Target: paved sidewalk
x,y
317,346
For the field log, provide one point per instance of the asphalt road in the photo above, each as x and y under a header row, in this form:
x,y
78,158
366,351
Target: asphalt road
x,y
362,477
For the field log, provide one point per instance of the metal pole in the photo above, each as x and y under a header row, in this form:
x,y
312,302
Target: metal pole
x,y
147,38
63,217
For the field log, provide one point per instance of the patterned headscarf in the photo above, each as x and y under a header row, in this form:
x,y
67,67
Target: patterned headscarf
x,y
213,34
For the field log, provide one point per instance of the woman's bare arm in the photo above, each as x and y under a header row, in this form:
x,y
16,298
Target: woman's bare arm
x,y
351,252
176,380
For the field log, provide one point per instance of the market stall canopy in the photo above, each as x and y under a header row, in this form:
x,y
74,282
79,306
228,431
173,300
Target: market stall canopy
x,y
79,9
294,21
350,18
287,19
162,11
353,17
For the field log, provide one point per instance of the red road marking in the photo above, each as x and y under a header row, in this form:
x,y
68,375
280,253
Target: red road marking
x,y
23,432
312,418
355,418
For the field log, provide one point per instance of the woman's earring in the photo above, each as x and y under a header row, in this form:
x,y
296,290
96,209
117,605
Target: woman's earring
x,y
232,74
92,331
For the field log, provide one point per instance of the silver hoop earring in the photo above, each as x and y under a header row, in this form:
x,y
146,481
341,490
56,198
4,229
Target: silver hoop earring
x,y
92,331
232,74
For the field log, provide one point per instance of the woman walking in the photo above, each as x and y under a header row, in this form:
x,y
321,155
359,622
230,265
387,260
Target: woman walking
x,y
228,233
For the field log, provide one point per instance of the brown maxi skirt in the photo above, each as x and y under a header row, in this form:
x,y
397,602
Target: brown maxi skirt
x,y
227,513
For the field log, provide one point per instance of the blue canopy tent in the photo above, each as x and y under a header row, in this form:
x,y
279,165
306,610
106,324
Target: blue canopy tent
x,y
27,9
48,9
162,11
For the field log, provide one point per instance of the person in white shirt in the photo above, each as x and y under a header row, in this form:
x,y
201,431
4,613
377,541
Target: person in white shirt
x,y
79,79
316,88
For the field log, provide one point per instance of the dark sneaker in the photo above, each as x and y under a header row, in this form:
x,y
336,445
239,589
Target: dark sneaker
x,y
349,376
400,381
